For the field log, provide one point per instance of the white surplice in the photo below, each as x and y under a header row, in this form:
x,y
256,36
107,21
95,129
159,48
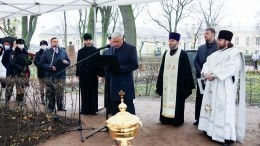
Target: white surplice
x,y
218,110
170,76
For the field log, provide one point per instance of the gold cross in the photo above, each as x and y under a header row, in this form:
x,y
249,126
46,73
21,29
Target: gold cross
x,y
121,94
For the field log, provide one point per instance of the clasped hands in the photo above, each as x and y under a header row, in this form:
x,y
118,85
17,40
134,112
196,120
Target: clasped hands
x,y
209,76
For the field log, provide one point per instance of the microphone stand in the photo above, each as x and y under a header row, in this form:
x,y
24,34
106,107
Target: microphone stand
x,y
106,106
80,127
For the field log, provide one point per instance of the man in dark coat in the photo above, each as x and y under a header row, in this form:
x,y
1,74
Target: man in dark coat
x,y
51,61
40,70
175,83
87,72
6,57
203,52
127,57
7,46
20,61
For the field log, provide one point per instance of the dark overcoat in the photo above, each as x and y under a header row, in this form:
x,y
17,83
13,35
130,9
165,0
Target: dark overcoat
x,y
128,61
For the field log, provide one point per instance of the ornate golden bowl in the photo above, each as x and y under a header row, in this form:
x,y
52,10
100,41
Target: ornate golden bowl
x,y
123,126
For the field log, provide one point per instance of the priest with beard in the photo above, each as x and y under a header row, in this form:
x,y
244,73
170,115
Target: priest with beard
x,y
175,82
220,119
87,73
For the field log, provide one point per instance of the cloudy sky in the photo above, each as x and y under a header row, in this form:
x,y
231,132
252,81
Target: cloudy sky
x,y
237,12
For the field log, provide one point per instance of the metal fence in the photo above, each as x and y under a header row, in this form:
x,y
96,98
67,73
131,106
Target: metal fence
x,y
146,76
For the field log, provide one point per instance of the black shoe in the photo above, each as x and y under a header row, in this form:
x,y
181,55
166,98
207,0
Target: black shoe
x,y
196,123
62,109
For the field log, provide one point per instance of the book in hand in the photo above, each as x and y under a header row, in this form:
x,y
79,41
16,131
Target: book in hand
x,y
200,83
60,66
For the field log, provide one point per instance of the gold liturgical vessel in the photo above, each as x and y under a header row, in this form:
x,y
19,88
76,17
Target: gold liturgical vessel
x,y
123,126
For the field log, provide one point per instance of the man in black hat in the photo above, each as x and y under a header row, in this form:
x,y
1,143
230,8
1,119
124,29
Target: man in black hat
x,y
87,72
40,70
175,82
203,52
20,61
222,71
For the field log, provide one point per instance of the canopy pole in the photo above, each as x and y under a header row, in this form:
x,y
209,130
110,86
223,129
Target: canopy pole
x,y
95,21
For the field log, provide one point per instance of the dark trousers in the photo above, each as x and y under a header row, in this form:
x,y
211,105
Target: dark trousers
x,y
129,103
20,83
198,103
9,82
89,101
55,91
255,65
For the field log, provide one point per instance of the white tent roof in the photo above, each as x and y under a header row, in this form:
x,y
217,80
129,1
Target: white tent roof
x,y
16,8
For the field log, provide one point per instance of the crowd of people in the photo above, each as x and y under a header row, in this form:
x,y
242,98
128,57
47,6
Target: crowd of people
x,y
219,68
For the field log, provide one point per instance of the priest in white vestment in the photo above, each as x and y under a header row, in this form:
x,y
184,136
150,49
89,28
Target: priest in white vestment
x,y
222,71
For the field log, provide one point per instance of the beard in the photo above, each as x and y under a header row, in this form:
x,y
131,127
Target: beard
x,y
172,47
221,46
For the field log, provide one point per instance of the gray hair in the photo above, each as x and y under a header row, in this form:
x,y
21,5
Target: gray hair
x,y
116,34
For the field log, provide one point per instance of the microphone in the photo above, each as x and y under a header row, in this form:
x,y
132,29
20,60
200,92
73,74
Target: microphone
x,y
107,46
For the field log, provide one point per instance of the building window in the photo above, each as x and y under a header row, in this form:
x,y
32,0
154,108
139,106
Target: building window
x,y
247,40
236,40
257,41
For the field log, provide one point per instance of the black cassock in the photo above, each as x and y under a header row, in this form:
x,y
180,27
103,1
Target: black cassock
x,y
185,84
87,72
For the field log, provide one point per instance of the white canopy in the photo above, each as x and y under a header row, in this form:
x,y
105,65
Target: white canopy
x,y
17,8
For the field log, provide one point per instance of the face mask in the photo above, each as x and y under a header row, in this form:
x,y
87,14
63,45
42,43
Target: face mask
x,y
7,47
21,46
44,47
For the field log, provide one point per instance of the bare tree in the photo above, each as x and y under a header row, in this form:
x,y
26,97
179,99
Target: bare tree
x,y
106,13
211,11
82,24
129,24
114,17
91,24
10,26
173,12
196,31
28,28
64,23
65,28
138,8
